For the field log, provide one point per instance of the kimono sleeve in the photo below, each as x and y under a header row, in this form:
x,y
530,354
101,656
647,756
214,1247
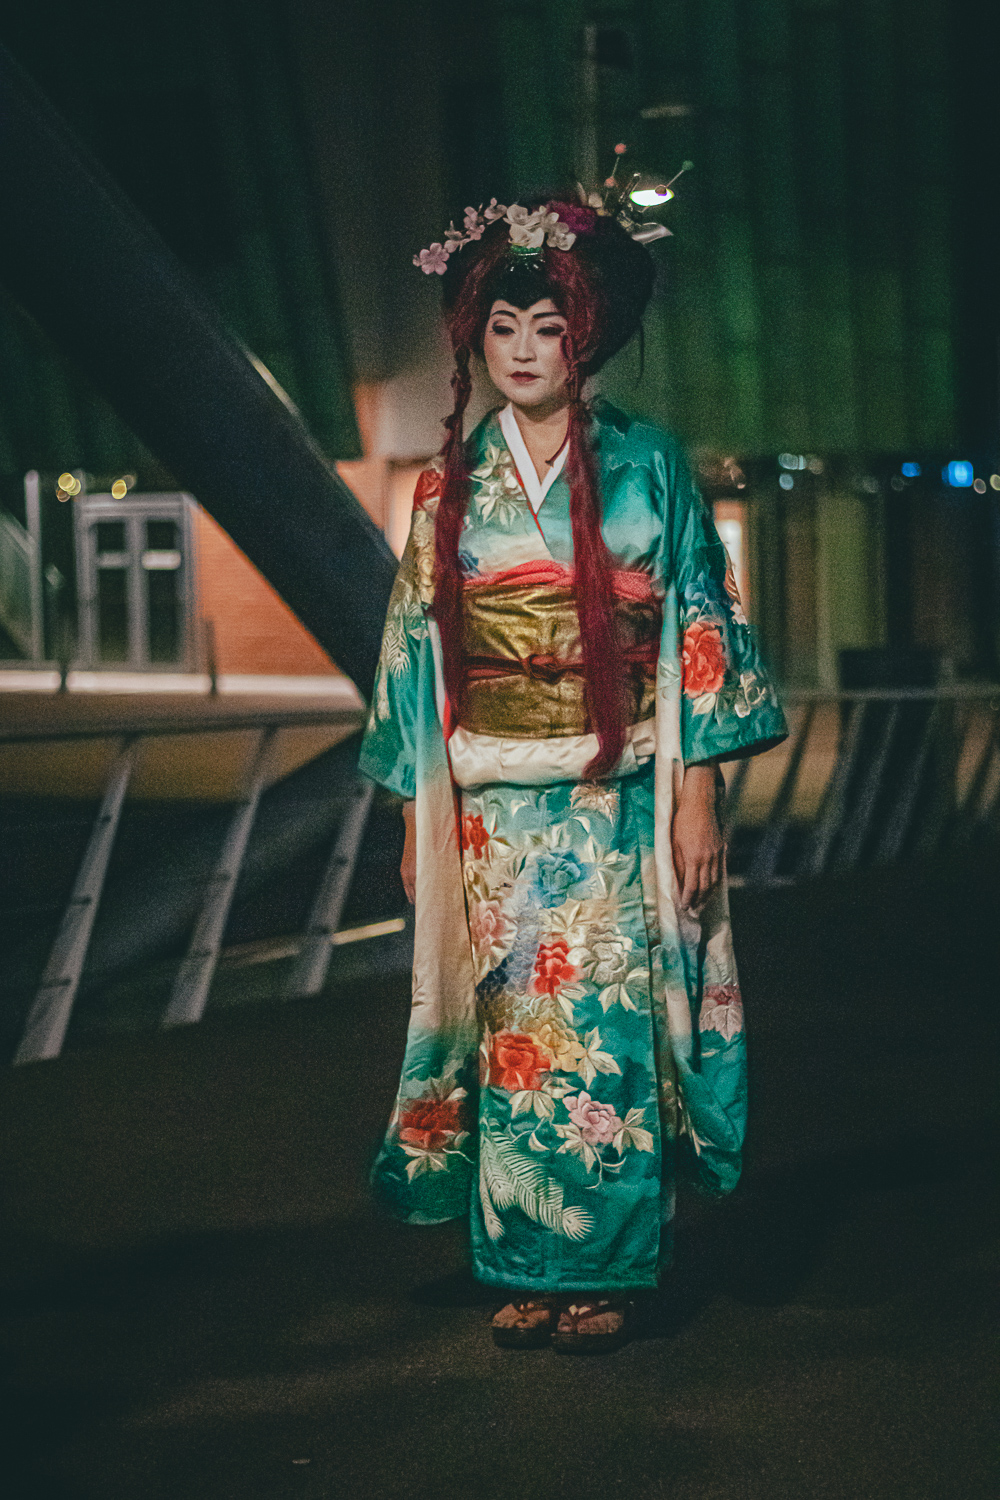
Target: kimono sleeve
x,y
389,748
729,708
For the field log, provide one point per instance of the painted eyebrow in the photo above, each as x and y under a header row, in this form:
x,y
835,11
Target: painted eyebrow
x,y
503,313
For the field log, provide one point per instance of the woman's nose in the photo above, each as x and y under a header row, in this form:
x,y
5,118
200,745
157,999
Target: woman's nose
x,y
523,349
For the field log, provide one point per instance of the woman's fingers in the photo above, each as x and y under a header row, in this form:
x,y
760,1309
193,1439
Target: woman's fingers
x,y
698,879
680,871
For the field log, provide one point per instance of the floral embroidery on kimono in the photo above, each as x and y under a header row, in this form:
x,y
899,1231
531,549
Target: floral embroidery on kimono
x,y
576,1039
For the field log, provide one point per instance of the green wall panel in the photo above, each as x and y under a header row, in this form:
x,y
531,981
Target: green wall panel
x,y
806,299
193,107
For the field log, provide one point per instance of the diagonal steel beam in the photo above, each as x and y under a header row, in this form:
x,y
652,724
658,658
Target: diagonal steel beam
x,y
194,977
310,968
114,298
831,818
49,1016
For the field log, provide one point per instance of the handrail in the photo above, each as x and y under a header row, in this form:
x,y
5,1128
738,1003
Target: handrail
x,y
153,727
212,715
957,690
50,1012
868,776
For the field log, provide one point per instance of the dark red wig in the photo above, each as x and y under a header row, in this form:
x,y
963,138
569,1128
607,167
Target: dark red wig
x,y
601,287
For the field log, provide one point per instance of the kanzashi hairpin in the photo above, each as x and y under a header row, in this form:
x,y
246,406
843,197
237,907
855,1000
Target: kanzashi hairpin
x,y
556,224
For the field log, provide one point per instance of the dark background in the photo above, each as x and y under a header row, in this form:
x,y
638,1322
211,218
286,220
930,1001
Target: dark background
x,y
832,280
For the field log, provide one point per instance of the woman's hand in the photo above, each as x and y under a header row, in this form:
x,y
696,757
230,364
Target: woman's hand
x,y
697,842
408,864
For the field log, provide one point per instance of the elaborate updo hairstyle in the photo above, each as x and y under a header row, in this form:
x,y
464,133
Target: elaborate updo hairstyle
x,y
601,285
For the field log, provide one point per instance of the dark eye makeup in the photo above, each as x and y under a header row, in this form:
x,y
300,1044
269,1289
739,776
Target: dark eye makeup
x,y
552,331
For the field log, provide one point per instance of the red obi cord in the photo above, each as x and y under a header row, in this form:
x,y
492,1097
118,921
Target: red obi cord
x,y
628,583
550,668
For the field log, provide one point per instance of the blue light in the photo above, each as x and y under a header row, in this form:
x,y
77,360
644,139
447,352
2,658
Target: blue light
x,y
959,474
911,471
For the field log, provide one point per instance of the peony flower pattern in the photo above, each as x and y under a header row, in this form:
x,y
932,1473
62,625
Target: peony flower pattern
x,y
433,1126
492,932
430,1123
475,837
703,659
553,968
721,1010
555,871
560,1043
598,1123
516,1062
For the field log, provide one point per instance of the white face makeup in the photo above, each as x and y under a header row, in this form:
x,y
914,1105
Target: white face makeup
x,y
523,353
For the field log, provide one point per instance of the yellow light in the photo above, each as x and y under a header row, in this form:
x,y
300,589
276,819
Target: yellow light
x,y
995,481
119,489
69,484
649,197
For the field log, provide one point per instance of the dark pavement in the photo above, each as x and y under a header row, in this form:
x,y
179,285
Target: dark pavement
x,y
198,1300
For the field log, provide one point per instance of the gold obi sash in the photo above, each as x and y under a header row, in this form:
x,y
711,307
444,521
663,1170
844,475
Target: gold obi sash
x,y
524,660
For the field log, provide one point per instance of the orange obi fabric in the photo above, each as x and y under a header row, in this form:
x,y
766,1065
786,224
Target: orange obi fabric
x,y
524,660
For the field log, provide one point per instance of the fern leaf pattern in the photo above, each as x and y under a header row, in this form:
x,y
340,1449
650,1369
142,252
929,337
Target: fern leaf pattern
x,y
508,1178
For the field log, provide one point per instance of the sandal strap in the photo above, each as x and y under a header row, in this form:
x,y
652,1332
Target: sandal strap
x,y
581,1313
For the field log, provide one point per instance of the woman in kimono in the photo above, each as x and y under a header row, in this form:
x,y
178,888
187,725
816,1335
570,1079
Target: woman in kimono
x,y
564,665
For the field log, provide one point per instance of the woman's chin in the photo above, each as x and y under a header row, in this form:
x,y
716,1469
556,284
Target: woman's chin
x,y
534,395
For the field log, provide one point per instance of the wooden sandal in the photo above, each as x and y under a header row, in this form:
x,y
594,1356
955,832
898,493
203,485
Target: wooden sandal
x,y
523,1332
572,1335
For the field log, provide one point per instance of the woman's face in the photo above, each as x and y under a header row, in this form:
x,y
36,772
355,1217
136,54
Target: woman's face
x,y
523,353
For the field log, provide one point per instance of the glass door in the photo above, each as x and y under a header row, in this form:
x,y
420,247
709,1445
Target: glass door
x,y
137,582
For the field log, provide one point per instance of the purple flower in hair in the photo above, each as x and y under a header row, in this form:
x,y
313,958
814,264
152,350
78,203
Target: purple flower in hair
x,y
580,220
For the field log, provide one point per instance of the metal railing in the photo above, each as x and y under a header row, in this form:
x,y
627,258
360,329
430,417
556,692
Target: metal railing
x,y
52,1006
865,778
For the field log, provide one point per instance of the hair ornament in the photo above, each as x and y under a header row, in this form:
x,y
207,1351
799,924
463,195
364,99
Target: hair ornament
x,y
529,231
557,224
628,201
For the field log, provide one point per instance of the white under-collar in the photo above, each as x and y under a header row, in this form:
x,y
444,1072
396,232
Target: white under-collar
x,y
534,488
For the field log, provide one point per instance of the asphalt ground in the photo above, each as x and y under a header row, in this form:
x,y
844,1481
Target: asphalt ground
x,y
199,1301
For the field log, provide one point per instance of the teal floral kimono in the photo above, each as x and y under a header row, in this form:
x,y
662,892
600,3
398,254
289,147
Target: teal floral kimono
x,y
576,1038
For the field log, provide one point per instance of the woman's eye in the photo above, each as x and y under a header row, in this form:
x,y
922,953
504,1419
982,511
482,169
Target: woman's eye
x,y
552,332
501,328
